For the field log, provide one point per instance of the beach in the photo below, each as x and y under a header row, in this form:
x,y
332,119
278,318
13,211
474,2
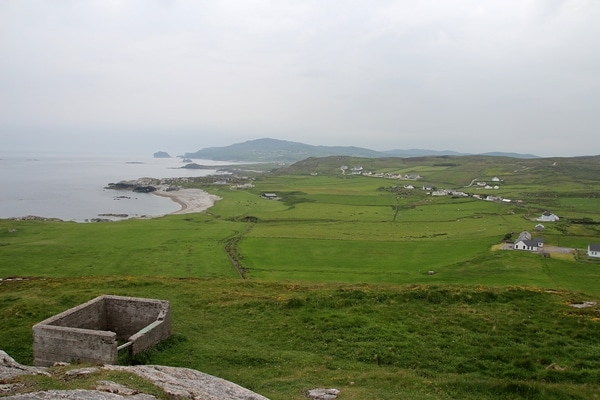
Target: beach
x,y
190,200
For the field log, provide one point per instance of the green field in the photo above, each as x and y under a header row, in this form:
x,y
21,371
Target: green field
x,y
348,281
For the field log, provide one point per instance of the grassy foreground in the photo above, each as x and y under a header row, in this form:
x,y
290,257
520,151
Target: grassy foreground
x,y
370,341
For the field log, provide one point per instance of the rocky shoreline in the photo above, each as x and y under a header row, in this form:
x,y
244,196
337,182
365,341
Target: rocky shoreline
x,y
190,200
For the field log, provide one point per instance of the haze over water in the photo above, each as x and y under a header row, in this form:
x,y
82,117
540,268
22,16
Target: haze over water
x,y
72,188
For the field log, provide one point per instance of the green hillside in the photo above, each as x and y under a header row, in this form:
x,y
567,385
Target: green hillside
x,y
347,280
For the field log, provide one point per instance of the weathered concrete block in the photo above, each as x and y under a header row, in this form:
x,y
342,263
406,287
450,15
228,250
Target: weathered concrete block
x,y
89,332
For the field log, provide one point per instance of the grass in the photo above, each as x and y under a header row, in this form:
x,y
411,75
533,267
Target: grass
x,y
384,341
183,246
337,290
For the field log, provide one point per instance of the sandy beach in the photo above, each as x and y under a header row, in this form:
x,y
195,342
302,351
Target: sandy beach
x,y
190,200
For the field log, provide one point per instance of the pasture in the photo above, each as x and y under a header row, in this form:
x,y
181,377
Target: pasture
x,y
337,289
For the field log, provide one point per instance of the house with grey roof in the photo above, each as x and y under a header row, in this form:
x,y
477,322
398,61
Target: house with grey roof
x,y
269,196
547,217
593,250
527,243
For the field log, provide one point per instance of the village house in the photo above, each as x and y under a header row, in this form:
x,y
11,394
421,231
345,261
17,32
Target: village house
x,y
358,170
493,198
269,196
547,217
527,243
593,250
412,176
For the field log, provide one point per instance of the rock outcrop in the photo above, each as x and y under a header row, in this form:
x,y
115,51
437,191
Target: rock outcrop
x,y
9,368
180,383
142,185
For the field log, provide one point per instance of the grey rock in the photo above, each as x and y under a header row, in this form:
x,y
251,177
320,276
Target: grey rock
x,y
9,368
78,394
10,387
182,383
189,383
323,394
81,371
113,387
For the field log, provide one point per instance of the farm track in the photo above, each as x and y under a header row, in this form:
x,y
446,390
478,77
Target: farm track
x,y
231,248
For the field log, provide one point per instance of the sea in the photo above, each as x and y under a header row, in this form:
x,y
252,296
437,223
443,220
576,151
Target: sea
x,y
73,187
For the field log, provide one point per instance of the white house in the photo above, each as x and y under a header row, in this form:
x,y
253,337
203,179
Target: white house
x,y
529,245
412,176
547,217
593,250
525,242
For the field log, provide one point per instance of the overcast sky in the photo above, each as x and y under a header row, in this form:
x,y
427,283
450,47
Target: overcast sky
x,y
465,75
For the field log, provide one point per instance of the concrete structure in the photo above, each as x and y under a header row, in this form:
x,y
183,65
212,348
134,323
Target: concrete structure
x,y
89,332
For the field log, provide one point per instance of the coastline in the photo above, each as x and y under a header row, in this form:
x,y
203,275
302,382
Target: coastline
x,y
190,200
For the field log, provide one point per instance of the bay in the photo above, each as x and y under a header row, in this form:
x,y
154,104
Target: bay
x,y
72,188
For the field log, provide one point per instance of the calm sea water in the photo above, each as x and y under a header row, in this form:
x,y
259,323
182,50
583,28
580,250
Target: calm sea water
x,y
72,188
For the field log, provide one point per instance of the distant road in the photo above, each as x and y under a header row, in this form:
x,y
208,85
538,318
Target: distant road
x,y
472,182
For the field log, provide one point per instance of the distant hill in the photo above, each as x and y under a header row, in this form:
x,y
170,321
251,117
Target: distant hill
x,y
274,150
511,155
457,171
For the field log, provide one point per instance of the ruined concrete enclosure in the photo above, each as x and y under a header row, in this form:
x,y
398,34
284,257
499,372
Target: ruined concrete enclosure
x,y
91,331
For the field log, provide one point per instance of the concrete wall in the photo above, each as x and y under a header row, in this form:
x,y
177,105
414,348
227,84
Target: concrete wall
x,y
52,344
90,315
89,332
128,315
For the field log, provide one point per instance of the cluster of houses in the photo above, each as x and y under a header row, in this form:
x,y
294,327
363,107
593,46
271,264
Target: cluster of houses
x,y
359,170
528,243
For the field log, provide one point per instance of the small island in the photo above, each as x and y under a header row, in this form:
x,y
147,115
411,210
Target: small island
x,y
162,154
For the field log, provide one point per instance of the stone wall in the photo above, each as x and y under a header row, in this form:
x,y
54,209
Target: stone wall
x,y
89,332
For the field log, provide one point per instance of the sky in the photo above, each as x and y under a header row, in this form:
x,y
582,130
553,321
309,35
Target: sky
x,y
471,76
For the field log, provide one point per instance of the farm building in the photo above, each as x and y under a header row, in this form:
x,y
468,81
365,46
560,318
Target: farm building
x,y
593,250
269,196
